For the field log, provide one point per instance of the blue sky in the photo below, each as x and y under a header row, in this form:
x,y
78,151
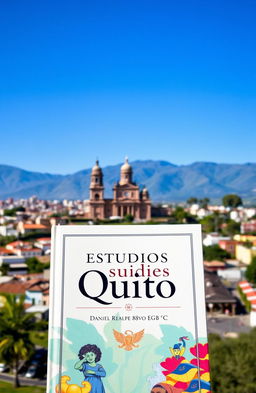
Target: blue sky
x,y
169,80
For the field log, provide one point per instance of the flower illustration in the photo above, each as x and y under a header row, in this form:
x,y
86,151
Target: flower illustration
x,y
200,350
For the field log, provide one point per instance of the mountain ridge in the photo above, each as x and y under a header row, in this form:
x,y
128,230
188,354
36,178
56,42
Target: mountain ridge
x,y
164,180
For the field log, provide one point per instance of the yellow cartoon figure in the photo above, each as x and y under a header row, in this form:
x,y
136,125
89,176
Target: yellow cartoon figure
x,y
87,387
72,388
62,387
178,349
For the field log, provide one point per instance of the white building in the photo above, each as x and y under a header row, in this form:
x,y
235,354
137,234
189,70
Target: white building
x,y
213,238
6,230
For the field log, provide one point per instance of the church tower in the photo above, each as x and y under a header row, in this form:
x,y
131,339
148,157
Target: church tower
x,y
96,185
97,203
127,198
126,173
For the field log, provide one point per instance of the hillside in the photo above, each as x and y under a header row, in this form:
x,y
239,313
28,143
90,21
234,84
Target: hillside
x,y
165,181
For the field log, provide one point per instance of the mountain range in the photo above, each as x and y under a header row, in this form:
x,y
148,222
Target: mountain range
x,y
165,181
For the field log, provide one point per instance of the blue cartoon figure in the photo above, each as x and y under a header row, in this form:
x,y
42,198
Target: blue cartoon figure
x,y
89,356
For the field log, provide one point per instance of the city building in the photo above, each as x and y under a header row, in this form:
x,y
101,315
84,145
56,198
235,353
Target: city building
x,y
245,238
213,238
245,253
23,228
217,296
248,226
229,245
128,199
15,263
250,294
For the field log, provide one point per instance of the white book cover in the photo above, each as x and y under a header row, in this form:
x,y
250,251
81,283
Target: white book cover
x,y
127,310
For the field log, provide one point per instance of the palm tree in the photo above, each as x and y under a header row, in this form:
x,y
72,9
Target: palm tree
x,y
15,324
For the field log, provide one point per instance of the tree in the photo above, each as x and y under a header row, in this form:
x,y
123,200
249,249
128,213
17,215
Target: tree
x,y
212,223
204,203
6,239
233,363
34,266
179,215
232,200
192,201
230,228
4,269
15,324
128,218
250,272
12,212
214,252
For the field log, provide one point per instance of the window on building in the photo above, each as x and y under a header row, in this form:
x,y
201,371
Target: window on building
x,y
97,197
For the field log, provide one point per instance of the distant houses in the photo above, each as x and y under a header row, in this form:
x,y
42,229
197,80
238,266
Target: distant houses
x,y
250,296
36,291
218,298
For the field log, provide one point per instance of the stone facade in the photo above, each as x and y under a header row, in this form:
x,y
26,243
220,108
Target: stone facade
x,y
127,198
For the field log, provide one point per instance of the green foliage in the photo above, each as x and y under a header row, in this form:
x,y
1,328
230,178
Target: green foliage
x,y
180,216
39,338
46,265
15,324
153,222
192,201
42,325
250,272
4,269
6,239
213,222
244,299
204,203
12,212
231,227
248,244
232,200
128,218
35,235
214,252
80,220
64,213
5,387
232,363
34,265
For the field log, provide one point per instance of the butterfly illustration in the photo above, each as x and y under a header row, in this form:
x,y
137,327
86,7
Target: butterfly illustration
x,y
129,339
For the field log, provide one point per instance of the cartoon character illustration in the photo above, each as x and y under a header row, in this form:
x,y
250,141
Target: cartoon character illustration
x,y
165,388
64,387
183,375
178,350
129,339
89,356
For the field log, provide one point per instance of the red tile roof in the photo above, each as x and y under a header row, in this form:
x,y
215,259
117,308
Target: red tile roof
x,y
35,226
14,286
4,250
18,244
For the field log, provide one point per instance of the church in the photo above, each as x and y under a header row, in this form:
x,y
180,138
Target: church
x,y
127,197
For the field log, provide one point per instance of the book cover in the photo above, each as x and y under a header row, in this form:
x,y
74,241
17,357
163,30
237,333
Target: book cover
x,y
127,310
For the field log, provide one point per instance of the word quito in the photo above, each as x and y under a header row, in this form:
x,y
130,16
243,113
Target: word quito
x,y
127,310
125,289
